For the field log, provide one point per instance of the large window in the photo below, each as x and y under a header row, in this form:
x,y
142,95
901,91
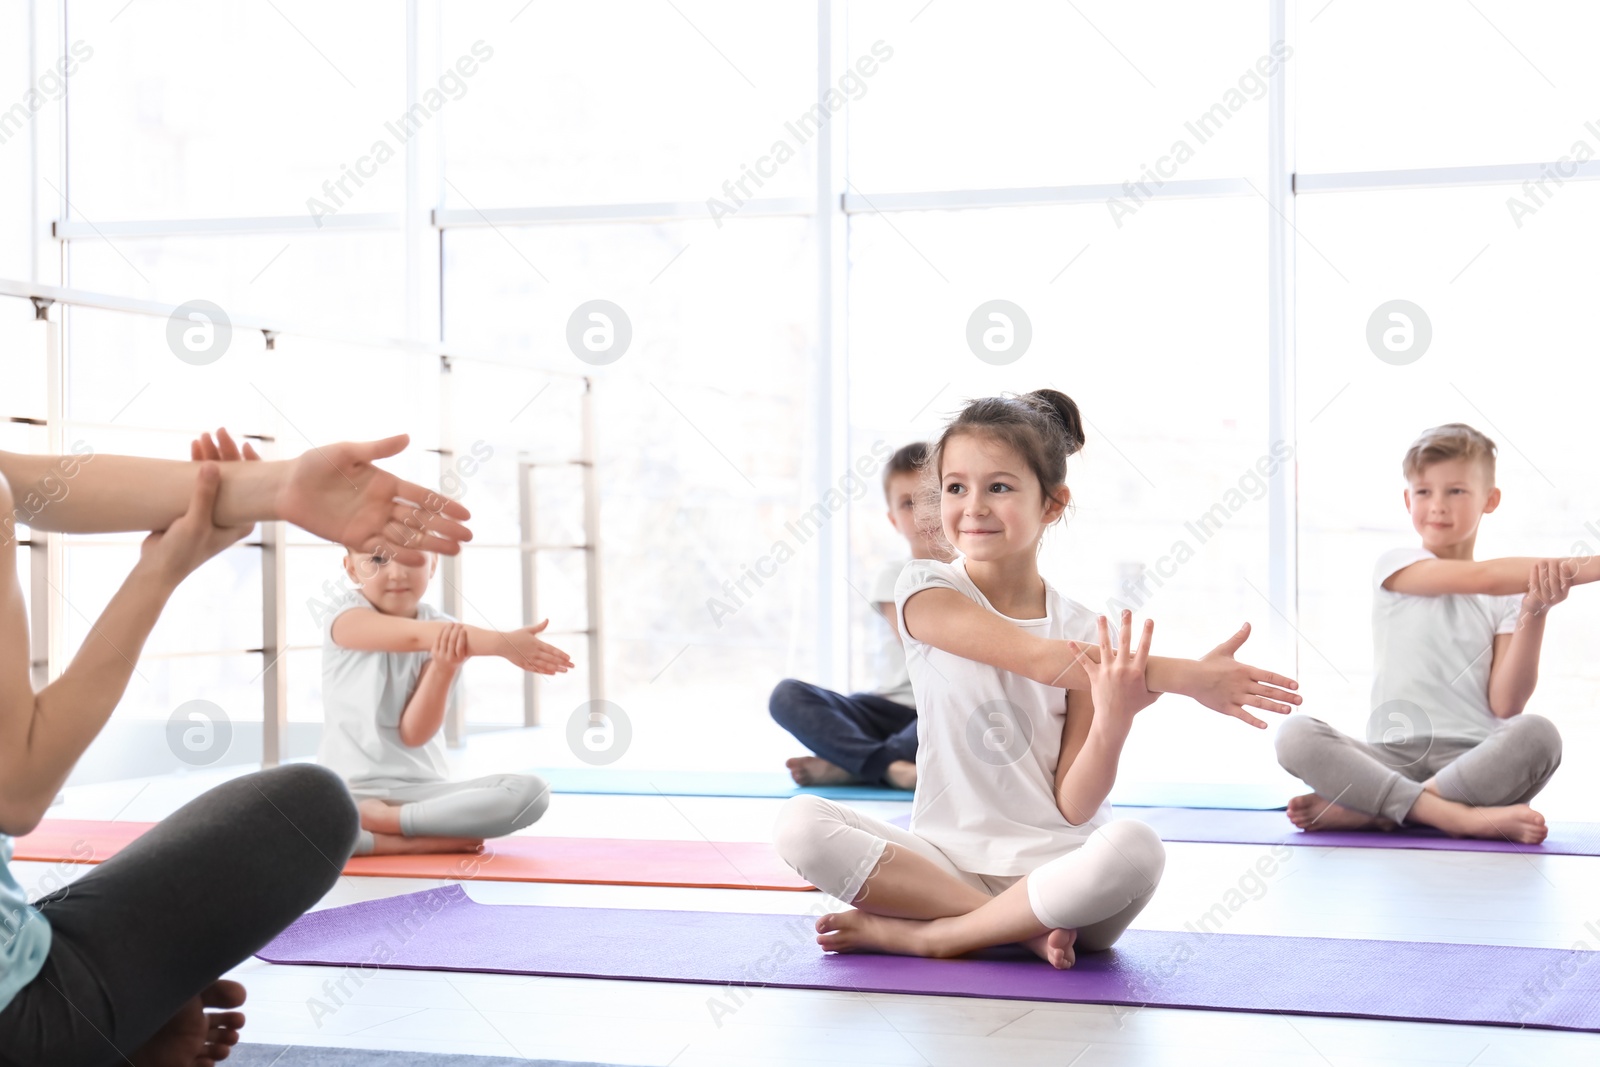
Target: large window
x,y
781,242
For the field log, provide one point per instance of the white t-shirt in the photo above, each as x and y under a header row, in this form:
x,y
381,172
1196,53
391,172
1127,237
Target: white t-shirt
x,y
363,696
988,740
1433,653
894,681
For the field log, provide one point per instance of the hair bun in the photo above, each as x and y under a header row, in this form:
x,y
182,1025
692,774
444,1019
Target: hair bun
x,y
1065,411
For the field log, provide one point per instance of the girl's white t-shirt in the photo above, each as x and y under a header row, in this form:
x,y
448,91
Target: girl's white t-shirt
x,y
988,740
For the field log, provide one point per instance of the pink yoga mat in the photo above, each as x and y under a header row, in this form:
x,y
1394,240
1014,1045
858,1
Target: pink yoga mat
x,y
443,929
587,860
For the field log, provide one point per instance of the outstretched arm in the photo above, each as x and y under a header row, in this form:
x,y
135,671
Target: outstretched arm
x,y
367,630
334,491
42,735
952,622
1495,577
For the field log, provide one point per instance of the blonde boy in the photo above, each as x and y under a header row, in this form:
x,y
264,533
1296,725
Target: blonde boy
x,y
1456,656
390,668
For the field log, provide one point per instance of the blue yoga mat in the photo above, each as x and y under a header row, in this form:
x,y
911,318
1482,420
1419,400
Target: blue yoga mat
x,y
678,783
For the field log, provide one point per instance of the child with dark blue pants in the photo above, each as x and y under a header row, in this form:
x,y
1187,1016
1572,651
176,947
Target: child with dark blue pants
x,y
871,736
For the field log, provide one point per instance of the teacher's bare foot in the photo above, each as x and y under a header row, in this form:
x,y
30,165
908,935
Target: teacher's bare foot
x,y
201,1034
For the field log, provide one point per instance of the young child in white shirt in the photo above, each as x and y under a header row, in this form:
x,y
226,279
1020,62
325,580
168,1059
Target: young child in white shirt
x,y
390,668
867,737
1456,655
1024,707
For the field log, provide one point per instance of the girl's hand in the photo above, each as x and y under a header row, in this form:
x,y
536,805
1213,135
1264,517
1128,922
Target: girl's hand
x,y
525,649
450,647
1226,685
1116,683
1548,583
336,493
178,551
223,448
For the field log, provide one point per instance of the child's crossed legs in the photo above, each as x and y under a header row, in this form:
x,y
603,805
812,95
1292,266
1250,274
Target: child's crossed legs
x,y
1467,789
448,816
911,899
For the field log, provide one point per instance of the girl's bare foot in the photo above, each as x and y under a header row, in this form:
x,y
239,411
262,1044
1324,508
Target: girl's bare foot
x,y
196,1037
1055,948
902,774
1312,812
860,931
1516,822
814,770
395,845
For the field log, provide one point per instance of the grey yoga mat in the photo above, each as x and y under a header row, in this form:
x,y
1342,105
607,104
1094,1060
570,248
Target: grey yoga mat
x,y
444,929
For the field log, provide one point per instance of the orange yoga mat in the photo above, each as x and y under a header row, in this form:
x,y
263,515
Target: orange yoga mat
x,y
585,860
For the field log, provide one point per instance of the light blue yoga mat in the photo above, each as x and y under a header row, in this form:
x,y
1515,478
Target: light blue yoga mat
x,y
679,783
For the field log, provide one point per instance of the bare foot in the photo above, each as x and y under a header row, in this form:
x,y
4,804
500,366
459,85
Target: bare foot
x,y
814,770
1516,822
195,1037
395,845
902,774
1055,948
860,931
379,816
1312,812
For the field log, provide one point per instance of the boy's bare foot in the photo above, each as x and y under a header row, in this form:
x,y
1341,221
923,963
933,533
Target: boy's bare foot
x,y
1515,822
1055,948
902,774
379,816
860,931
195,1037
395,845
1312,812
814,770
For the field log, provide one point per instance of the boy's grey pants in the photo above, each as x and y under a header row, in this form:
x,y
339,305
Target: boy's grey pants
x,y
1510,766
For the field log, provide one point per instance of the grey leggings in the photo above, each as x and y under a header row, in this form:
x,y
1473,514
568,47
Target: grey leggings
x,y
1508,767
482,807
142,933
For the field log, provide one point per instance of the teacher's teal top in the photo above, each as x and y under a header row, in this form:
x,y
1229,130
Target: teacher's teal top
x,y
24,934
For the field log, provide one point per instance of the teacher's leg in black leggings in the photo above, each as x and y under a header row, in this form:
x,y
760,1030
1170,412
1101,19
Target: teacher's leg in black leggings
x,y
143,933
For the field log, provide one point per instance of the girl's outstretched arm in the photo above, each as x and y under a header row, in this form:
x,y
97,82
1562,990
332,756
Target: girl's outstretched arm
x,y
956,624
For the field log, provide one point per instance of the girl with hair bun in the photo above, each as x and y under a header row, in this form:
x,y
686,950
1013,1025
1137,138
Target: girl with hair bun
x,y
1024,705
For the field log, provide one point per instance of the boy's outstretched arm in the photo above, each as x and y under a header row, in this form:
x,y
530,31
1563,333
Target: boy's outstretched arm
x,y
369,630
1494,577
1515,670
424,712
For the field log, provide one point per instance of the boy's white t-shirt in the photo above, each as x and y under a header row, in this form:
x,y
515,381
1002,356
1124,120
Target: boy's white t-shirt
x,y
363,696
988,740
1433,652
894,680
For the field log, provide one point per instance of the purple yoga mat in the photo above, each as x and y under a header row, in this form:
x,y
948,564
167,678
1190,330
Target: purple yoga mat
x,y
443,929
1231,827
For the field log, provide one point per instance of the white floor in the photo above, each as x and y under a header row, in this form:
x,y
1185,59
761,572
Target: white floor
x,y
1427,896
